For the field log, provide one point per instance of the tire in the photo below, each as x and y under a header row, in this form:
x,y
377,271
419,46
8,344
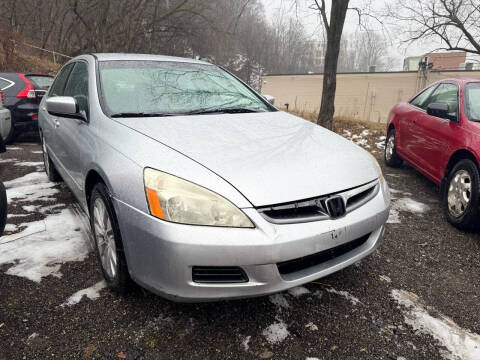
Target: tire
x,y
3,208
50,169
461,195
114,268
390,154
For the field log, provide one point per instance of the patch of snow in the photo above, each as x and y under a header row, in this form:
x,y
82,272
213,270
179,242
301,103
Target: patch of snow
x,y
382,138
456,342
29,163
385,278
279,301
50,208
345,294
298,291
93,292
365,133
407,205
16,215
311,326
3,161
14,148
276,333
31,187
380,145
33,336
347,133
41,248
30,208
312,358
37,152
245,342
11,227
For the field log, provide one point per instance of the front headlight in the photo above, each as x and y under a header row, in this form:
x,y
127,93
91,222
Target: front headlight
x,y
376,163
173,199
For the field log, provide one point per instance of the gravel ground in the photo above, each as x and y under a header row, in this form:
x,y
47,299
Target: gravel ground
x,y
359,313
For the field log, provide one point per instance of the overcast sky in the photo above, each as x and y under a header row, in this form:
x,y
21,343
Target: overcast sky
x,y
397,50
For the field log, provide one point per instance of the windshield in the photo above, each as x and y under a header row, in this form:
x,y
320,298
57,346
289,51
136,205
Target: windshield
x,y
153,87
472,101
41,81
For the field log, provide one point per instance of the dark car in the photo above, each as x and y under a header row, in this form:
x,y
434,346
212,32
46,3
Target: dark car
x,y
23,93
3,197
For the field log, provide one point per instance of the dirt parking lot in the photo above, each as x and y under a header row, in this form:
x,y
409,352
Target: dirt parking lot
x,y
416,297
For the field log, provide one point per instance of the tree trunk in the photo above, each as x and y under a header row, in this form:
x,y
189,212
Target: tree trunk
x,y
334,34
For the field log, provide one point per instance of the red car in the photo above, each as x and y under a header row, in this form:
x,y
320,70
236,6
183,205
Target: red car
x,y
438,132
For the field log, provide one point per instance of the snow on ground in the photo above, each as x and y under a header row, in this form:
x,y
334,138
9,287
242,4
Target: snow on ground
x,y
276,333
279,301
298,291
245,342
31,187
93,292
345,294
405,204
455,342
311,326
40,249
29,163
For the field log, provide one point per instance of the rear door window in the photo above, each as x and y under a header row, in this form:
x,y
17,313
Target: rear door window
x,y
58,85
77,86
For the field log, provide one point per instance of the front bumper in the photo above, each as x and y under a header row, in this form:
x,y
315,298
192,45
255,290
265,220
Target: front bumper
x,y
161,255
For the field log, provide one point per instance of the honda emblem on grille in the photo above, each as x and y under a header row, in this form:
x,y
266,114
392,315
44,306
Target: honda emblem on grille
x,y
335,206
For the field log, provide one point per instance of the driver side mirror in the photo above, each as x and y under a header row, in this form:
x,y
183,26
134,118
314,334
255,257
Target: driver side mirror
x,y
270,99
64,106
441,111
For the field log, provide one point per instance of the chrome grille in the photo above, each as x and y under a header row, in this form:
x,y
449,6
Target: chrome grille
x,y
316,208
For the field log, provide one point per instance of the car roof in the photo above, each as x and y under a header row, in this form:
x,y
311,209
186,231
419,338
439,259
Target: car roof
x,y
460,80
146,57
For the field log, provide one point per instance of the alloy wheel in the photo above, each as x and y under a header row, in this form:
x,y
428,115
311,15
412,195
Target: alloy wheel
x,y
459,193
105,238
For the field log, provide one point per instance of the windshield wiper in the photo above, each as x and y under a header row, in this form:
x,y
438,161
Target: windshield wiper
x,y
140,114
223,111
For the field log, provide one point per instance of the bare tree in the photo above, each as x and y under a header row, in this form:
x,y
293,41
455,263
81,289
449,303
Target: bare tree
x,y
454,23
333,30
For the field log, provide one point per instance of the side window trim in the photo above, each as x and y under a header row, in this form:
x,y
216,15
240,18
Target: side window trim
x,y
11,83
67,83
72,65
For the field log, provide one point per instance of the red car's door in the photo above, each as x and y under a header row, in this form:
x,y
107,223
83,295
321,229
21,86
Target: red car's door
x,y
411,114
432,138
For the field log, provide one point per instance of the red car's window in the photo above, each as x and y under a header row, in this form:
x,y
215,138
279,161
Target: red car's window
x,y
472,101
445,93
421,99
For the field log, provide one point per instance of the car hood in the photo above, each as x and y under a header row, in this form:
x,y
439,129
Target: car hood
x,y
270,157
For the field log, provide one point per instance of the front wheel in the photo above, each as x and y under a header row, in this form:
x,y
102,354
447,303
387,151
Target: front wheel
x,y
461,195
391,157
108,241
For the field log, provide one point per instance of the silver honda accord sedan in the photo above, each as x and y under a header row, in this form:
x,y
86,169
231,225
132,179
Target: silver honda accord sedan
x,y
197,188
